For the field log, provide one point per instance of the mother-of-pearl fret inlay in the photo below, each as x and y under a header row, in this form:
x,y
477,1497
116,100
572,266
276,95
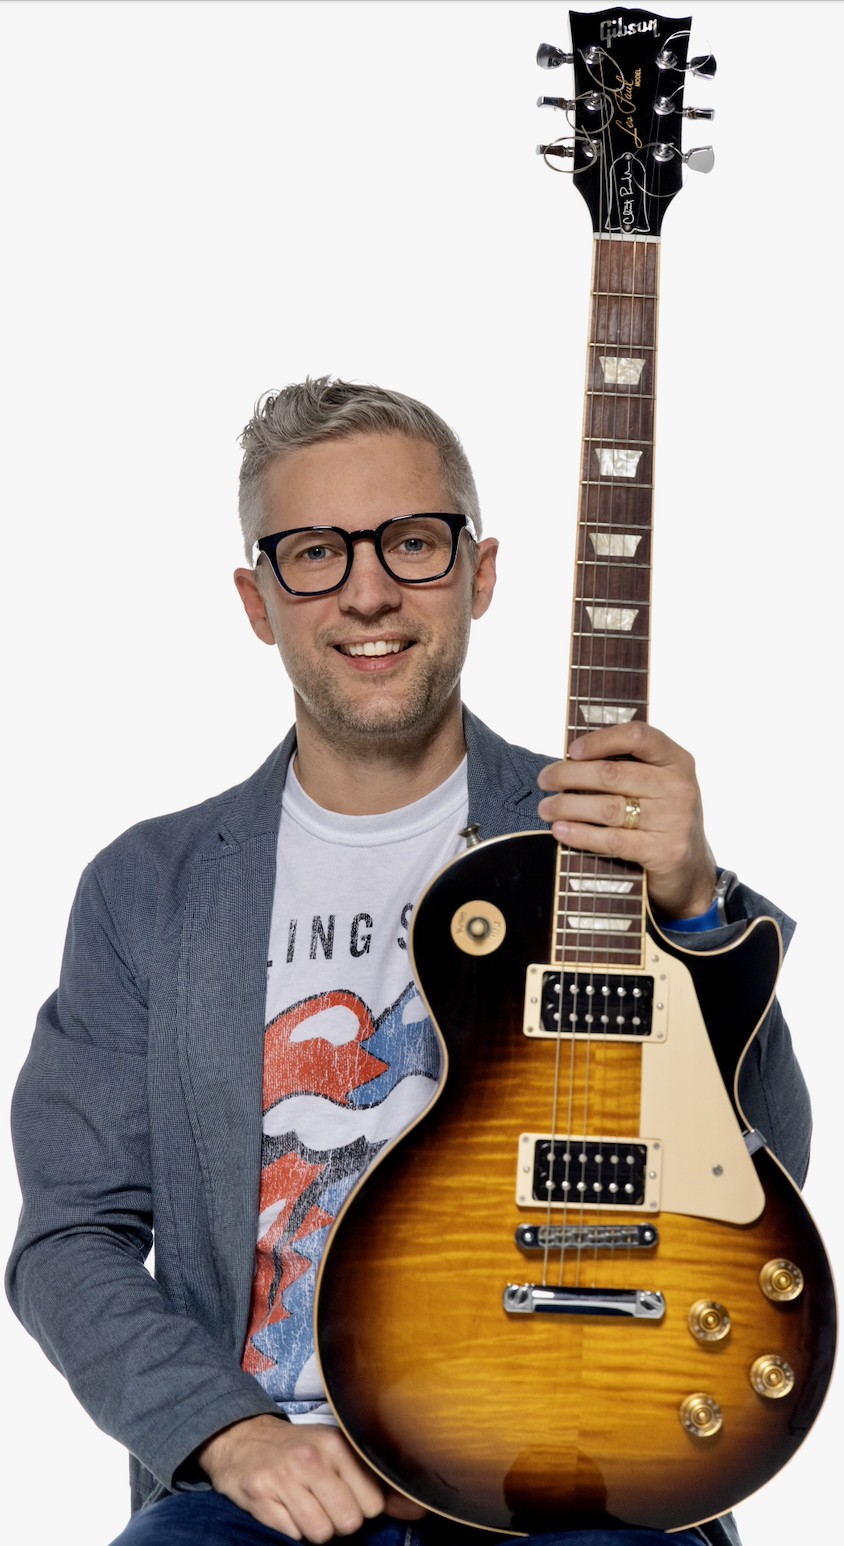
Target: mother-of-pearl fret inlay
x,y
621,371
617,461
613,544
613,619
600,910
606,713
590,921
590,885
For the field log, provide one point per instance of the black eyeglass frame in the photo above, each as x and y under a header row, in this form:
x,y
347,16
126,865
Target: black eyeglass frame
x,y
373,534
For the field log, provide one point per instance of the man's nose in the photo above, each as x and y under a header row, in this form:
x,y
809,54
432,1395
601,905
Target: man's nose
x,y
369,587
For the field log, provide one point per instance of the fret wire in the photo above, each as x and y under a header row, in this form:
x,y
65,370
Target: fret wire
x,y
624,304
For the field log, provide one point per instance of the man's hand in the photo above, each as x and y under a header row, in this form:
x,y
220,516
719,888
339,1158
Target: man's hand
x,y
303,1479
588,798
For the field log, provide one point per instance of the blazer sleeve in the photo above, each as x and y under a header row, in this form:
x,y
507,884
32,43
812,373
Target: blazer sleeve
x,y
148,1373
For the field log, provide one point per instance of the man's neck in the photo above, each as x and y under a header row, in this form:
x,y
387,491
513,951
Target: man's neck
x,y
370,778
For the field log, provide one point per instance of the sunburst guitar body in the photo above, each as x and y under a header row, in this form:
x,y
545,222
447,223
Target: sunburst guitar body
x,y
519,1350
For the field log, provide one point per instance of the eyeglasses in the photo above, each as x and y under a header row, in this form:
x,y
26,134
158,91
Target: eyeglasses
x,y
315,560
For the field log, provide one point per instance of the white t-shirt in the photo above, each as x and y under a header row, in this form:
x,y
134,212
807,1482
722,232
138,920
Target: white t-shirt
x,y
350,1055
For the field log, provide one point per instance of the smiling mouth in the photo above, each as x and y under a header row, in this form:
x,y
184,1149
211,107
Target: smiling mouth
x,y
376,647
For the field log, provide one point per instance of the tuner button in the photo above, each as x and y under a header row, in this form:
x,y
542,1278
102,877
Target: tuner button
x,y
698,112
701,159
703,65
549,57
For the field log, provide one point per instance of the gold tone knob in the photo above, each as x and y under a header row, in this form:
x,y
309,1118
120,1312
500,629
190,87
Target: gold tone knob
x,y
780,1280
708,1321
701,1415
771,1376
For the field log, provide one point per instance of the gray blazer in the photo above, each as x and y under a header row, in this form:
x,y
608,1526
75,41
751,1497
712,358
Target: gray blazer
x,y
140,1105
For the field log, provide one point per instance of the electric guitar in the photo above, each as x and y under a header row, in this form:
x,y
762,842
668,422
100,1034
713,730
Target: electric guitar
x,y
582,1292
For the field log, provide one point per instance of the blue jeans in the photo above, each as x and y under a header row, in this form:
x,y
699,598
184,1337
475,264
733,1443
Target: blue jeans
x,y
186,1518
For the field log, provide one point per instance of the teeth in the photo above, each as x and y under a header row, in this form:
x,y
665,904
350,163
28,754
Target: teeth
x,y
378,647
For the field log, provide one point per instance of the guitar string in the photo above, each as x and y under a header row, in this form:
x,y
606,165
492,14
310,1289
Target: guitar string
x,y
581,694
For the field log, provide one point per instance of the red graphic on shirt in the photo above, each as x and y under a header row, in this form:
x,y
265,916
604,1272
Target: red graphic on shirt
x,y
313,1066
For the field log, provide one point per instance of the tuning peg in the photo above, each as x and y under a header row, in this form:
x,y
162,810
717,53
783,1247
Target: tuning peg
x,y
556,102
703,65
550,57
699,112
701,159
554,150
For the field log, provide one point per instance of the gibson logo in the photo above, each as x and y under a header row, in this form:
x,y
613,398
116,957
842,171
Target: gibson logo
x,y
624,29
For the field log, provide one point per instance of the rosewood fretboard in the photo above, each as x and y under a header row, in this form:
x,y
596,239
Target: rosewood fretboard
x,y
600,903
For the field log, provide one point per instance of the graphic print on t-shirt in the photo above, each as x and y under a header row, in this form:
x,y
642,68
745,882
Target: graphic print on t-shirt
x,y
351,1058
338,1085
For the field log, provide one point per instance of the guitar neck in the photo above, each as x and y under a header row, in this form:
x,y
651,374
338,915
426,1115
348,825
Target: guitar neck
x,y
600,903
610,655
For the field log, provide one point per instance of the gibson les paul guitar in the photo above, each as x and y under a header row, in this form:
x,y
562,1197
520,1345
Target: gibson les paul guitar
x,y
582,1291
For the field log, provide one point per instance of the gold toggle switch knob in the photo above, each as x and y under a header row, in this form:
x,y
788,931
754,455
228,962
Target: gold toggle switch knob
x,y
780,1280
708,1321
701,1415
771,1376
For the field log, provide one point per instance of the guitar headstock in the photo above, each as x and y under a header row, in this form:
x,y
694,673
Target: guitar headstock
x,y
627,113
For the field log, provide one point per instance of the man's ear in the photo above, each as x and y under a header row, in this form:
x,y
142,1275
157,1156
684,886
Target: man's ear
x,y
249,591
483,584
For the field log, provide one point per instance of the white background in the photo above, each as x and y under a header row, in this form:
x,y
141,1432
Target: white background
x,y
205,200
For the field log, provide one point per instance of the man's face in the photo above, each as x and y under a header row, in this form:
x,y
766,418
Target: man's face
x,y
402,693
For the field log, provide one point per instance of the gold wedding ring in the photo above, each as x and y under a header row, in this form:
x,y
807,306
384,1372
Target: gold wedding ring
x,y
632,812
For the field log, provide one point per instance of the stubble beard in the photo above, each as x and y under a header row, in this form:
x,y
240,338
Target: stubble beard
x,y
372,719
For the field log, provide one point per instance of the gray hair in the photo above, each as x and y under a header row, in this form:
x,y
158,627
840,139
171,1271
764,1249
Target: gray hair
x,y
325,408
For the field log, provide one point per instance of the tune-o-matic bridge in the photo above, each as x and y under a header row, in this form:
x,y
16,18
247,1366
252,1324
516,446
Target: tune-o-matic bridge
x,y
619,1004
588,1172
533,1298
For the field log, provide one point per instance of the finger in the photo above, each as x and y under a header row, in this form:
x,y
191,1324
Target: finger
x,y
593,810
637,740
608,842
629,778
398,1506
304,1516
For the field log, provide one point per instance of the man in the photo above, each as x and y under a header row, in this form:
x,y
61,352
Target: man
x,y
236,1032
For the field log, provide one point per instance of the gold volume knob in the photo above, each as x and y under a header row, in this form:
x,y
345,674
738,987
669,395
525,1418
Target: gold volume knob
x,y
708,1321
701,1415
780,1280
771,1376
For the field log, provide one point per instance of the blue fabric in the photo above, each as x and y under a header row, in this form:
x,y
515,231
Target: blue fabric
x,y
699,925
189,1517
